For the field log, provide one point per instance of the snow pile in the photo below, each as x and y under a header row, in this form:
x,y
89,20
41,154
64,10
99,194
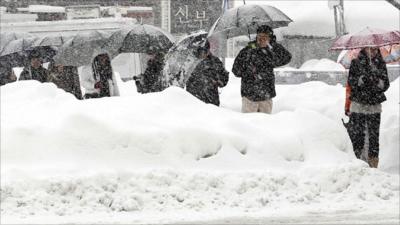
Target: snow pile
x,y
321,65
167,157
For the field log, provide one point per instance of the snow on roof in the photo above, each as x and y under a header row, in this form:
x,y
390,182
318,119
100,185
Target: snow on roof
x,y
139,8
316,19
46,9
17,17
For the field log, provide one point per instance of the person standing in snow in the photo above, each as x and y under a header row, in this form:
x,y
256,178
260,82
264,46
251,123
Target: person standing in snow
x,y
150,80
104,80
368,80
35,71
207,77
255,64
66,78
7,74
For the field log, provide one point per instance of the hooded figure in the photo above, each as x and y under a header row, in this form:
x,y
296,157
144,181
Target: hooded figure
x,y
105,83
207,77
255,65
35,71
368,80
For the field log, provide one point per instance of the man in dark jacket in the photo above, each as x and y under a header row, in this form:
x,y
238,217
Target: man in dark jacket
x,y
6,73
66,78
207,76
255,65
150,80
368,80
35,71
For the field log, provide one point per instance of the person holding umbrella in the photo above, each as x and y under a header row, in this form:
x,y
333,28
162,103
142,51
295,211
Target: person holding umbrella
x,y
66,78
150,80
368,80
104,85
207,76
255,64
35,71
7,74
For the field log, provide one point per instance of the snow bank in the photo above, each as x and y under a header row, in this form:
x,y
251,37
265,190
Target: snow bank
x,y
167,157
321,65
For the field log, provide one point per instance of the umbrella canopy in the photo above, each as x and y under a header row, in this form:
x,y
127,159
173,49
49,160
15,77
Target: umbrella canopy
x,y
180,60
52,40
82,48
139,39
390,54
6,37
16,53
244,20
368,37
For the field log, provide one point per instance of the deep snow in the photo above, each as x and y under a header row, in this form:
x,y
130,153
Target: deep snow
x,y
167,157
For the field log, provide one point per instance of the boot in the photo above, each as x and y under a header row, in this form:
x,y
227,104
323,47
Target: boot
x,y
373,162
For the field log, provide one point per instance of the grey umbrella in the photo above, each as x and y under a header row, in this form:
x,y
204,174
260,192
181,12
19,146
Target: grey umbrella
x,y
139,38
82,48
244,20
6,37
16,53
52,40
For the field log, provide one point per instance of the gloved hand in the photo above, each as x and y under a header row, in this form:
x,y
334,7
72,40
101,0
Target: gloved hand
x,y
347,112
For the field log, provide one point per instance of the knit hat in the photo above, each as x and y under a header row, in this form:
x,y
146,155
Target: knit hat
x,y
265,29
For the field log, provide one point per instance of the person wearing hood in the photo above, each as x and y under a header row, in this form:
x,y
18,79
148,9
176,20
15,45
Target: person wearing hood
x,y
207,77
35,71
103,82
368,80
255,66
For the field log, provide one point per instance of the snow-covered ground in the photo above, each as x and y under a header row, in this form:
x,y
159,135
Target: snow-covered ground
x,y
168,158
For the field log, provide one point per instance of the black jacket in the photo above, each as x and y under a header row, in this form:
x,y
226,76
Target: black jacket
x,y
205,79
150,80
367,91
40,74
255,66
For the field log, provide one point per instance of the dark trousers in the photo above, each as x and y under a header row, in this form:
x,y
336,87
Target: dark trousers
x,y
359,123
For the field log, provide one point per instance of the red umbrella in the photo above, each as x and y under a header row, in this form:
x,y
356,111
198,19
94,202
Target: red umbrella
x,y
390,54
369,37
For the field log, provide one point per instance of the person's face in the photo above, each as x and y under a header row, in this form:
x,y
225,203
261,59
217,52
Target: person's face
x,y
103,59
203,54
263,40
371,52
59,68
36,63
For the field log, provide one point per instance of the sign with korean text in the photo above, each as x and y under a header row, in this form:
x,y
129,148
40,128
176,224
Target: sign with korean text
x,y
193,15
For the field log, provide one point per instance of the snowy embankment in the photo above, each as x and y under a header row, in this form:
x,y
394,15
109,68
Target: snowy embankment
x,y
167,157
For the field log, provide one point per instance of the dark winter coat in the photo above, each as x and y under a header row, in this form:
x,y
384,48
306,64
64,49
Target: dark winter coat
x,y
205,79
68,80
6,75
40,74
255,66
103,73
367,91
150,80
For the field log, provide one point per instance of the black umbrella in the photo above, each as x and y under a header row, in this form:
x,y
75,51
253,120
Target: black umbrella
x,y
139,38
